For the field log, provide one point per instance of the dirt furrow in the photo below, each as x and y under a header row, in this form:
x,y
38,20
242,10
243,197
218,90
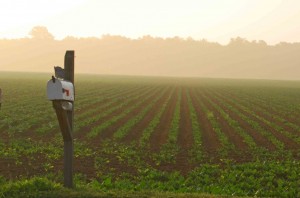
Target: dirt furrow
x,y
108,132
160,134
233,137
137,130
211,143
185,136
105,98
257,137
288,143
269,114
81,134
291,118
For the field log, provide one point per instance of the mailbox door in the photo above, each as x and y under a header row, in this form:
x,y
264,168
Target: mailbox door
x,y
67,90
60,90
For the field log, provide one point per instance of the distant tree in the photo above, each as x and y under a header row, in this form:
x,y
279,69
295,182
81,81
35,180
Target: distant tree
x,y
41,32
238,41
70,38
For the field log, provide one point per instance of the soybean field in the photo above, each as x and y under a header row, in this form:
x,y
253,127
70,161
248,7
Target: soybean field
x,y
166,134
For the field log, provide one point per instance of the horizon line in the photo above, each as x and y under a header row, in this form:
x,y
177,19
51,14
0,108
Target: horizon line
x,y
188,38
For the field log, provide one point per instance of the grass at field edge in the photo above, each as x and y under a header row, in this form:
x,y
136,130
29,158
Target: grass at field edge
x,y
112,193
43,187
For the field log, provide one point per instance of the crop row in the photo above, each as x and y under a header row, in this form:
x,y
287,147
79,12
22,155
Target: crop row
x,y
108,122
261,123
100,111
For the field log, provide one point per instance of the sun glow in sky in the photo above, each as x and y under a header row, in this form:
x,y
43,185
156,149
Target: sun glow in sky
x,y
215,20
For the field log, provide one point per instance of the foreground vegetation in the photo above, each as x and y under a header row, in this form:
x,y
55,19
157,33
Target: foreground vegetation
x,y
251,179
142,136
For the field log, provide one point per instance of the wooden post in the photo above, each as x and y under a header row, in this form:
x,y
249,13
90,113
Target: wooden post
x,y
68,141
65,119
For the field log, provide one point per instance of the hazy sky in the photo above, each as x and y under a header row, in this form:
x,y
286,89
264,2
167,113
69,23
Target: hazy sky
x,y
214,20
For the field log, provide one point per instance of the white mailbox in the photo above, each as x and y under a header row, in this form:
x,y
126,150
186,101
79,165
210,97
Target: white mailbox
x,y
60,90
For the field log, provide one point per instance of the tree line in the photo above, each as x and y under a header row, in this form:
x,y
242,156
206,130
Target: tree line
x,y
111,54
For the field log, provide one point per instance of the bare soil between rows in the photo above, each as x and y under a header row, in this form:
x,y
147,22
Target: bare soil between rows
x,y
35,164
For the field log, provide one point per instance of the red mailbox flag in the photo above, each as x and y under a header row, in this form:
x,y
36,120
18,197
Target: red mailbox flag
x,y
66,91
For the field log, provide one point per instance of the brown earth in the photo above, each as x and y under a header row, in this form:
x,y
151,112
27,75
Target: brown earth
x,y
83,165
100,105
81,134
109,131
233,137
137,130
33,165
269,113
240,146
4,136
289,143
292,118
25,166
160,134
257,137
107,98
211,143
185,137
